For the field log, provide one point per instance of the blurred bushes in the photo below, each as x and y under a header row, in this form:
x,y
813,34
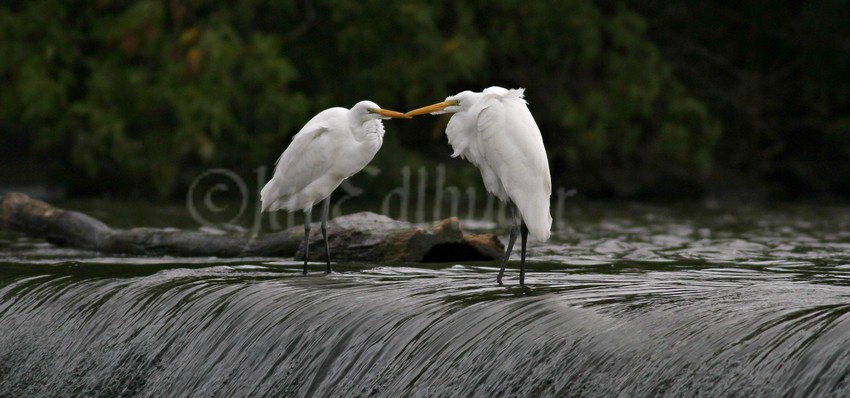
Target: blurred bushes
x,y
605,98
133,97
777,75
138,97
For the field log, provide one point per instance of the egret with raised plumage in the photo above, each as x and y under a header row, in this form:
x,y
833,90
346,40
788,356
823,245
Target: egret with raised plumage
x,y
496,132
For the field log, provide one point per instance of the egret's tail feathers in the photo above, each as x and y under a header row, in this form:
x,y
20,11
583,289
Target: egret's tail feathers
x,y
274,205
266,201
535,214
274,198
271,199
287,203
271,206
539,228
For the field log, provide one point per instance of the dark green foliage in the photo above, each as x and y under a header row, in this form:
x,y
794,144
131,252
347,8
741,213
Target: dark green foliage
x,y
776,74
138,97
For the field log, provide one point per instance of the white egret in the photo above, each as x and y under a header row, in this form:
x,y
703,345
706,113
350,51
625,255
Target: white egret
x,y
495,131
334,145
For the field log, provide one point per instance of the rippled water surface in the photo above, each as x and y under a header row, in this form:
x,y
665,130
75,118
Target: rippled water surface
x,y
626,299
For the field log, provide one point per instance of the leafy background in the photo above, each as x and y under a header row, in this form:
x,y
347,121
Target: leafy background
x,y
635,99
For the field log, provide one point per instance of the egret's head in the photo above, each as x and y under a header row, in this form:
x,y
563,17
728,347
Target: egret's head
x,y
454,103
370,110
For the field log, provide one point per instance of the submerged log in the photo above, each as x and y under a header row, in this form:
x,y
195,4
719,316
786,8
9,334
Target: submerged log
x,y
355,237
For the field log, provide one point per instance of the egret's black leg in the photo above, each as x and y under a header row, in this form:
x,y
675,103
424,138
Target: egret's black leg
x,y
326,208
511,241
307,237
524,233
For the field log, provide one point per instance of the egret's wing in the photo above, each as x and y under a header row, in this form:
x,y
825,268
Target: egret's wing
x,y
307,158
511,144
462,132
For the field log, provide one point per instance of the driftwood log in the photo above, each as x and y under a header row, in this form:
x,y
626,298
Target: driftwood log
x,y
355,237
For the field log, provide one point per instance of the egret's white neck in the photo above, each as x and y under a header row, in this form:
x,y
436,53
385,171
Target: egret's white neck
x,y
368,130
365,130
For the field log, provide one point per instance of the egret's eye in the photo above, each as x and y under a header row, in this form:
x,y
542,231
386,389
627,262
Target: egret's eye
x,y
453,102
372,110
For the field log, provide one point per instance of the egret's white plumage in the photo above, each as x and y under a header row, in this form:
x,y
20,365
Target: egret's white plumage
x,y
334,145
496,132
500,137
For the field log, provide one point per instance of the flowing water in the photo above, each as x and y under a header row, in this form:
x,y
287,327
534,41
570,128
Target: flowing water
x,y
625,300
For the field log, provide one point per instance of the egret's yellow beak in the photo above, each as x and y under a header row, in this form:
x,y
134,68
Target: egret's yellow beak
x,y
431,108
389,113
